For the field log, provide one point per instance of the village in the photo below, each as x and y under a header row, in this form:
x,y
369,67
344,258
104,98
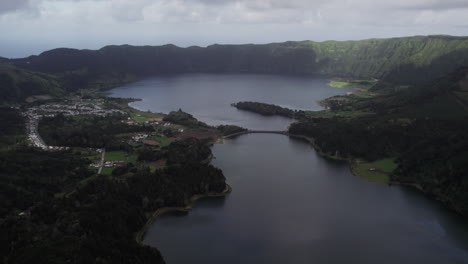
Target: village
x,y
69,108
95,107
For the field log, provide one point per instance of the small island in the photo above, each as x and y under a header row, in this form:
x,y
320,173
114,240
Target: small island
x,y
269,109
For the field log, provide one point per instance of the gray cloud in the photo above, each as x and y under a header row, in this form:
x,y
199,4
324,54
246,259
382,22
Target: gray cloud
x,y
436,4
7,6
93,23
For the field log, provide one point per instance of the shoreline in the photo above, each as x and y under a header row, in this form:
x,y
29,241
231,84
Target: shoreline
x,y
351,161
311,141
187,208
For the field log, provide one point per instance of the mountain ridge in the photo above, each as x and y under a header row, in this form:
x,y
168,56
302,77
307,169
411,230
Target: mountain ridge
x,y
394,61
370,58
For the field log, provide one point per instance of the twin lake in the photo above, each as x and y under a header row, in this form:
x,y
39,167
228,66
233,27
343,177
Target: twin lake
x,y
289,205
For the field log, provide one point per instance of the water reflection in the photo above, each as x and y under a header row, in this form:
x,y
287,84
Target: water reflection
x,y
290,205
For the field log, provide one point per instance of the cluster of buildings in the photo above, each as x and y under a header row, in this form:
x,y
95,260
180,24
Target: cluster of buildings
x,y
151,121
114,163
96,164
33,135
140,137
70,108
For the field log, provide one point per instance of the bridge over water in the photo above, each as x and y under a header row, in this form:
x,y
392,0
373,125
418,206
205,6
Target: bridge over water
x,y
281,132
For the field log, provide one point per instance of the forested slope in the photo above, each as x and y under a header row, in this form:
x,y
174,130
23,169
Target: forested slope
x,y
17,84
424,126
407,60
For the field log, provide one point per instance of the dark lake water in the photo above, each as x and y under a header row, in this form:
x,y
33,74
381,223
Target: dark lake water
x,y
288,204
209,97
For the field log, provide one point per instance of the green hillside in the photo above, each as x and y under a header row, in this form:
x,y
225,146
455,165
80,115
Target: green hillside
x,y
408,60
376,57
18,84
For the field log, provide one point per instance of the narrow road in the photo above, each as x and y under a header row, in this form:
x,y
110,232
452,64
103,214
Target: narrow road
x,y
103,153
39,138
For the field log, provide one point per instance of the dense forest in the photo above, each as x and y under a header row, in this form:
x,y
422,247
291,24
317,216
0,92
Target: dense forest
x,y
94,132
229,129
56,209
269,109
97,221
182,118
13,127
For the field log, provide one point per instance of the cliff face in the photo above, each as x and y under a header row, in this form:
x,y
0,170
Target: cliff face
x,y
415,59
378,57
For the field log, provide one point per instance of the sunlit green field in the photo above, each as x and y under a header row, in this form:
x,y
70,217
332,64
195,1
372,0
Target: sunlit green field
x,y
377,171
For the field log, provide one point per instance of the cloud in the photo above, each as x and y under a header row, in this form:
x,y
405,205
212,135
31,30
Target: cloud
x,y
435,5
240,11
7,6
90,23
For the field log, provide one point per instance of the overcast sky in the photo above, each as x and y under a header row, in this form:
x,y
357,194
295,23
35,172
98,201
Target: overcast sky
x,y
32,26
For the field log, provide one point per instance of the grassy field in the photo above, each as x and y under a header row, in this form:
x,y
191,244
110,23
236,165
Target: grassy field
x,y
120,155
141,116
87,154
362,84
107,171
115,155
139,119
163,141
377,171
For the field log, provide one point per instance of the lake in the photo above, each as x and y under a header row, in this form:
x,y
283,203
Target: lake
x,y
209,97
288,204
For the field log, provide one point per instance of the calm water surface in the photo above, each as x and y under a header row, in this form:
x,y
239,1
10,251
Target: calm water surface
x,y
288,204
209,97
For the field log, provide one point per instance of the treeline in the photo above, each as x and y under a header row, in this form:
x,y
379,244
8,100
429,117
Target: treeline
x,y
190,150
269,109
432,153
94,132
230,129
182,118
97,221
28,175
12,129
